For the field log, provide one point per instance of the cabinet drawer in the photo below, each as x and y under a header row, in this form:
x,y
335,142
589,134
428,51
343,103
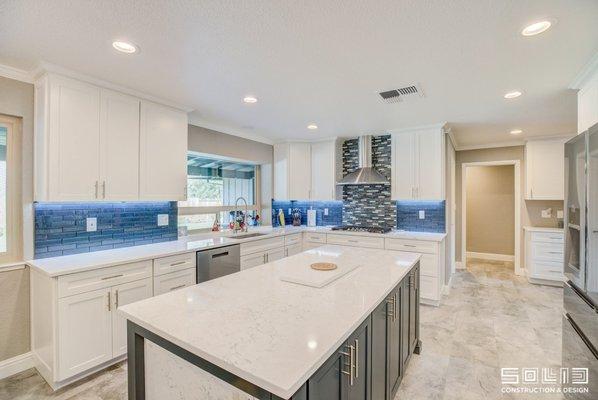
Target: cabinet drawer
x,y
547,270
292,250
359,241
175,263
428,264
82,282
419,246
261,245
314,237
311,245
253,260
292,239
173,281
548,237
429,287
547,252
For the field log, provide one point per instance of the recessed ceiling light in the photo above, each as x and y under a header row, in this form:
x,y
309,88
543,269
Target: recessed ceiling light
x,y
536,28
312,127
125,47
250,99
513,94
516,131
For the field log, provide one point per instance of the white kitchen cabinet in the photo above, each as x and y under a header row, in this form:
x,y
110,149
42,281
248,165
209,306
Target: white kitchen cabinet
x,y
119,146
418,158
544,256
323,170
544,170
122,295
84,332
174,281
292,171
587,104
293,249
163,153
275,254
92,143
253,260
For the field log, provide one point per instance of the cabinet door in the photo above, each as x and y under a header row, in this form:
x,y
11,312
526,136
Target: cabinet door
x,y
119,144
163,153
299,171
275,254
395,342
403,166
84,332
361,339
429,158
381,317
413,310
252,260
545,170
329,382
174,281
74,138
323,183
405,307
122,295
292,249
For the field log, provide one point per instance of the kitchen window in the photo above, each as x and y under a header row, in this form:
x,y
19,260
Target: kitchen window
x,y
10,190
213,185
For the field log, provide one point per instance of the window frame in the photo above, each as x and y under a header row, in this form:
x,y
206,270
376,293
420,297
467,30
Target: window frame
x,y
14,214
194,210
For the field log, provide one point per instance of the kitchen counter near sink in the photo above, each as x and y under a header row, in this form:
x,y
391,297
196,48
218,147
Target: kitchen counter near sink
x,y
56,266
251,329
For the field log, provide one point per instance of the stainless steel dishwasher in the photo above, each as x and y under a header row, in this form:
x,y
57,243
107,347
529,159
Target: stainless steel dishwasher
x,y
214,263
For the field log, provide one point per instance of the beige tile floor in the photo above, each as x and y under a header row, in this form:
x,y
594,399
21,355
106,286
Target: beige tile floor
x,y
490,319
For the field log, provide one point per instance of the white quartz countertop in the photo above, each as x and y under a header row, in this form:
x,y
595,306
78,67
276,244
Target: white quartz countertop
x,y
272,333
543,229
56,266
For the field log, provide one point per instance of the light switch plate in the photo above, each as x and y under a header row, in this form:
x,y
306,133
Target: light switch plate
x,y
162,219
325,211
560,214
422,214
547,213
92,224
290,211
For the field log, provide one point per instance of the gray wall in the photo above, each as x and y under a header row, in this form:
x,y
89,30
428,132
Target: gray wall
x,y
16,99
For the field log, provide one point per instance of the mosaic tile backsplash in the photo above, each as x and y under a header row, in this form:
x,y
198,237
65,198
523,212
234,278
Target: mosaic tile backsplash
x,y
60,228
368,205
334,217
408,216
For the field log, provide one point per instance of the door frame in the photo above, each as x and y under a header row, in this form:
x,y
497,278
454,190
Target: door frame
x,y
517,184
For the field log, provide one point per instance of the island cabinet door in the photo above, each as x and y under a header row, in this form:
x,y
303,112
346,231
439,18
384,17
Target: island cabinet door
x,y
331,381
394,342
361,340
413,310
381,319
405,319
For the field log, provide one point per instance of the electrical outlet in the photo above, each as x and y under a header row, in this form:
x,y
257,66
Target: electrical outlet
x,y
560,214
92,224
547,213
162,219
325,211
422,214
290,211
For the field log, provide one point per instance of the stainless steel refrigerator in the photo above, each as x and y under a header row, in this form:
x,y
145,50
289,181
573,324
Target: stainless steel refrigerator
x,y
580,321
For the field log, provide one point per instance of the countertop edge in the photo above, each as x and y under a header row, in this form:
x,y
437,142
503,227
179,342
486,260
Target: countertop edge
x,y
284,393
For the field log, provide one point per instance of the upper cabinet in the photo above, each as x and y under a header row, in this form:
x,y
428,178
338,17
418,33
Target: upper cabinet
x,y
587,104
305,171
544,169
418,158
92,144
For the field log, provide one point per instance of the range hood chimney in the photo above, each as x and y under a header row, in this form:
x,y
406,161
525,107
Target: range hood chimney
x,y
365,174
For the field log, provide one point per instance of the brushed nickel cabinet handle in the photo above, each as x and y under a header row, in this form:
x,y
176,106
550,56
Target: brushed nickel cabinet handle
x,y
109,302
96,189
104,189
356,358
112,277
177,287
116,299
395,307
390,312
178,263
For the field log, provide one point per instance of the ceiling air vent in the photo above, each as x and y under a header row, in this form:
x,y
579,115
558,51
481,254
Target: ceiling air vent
x,y
401,94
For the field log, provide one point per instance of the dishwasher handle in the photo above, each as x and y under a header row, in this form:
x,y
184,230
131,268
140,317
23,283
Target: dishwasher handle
x,y
223,254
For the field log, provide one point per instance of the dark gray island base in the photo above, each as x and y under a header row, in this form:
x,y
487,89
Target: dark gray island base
x,y
368,366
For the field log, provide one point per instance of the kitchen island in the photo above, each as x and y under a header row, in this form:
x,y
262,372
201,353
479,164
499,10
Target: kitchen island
x,y
251,335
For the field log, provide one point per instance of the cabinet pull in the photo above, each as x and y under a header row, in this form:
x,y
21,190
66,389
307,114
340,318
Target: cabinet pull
x,y
395,307
356,358
555,271
112,277
116,299
109,301
391,312
352,241
531,193
555,252
103,189
177,287
178,263
96,189
409,245
286,252
351,364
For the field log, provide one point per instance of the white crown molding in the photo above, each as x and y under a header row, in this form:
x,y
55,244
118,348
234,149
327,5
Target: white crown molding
x,y
441,125
510,143
15,365
233,132
586,73
551,137
17,74
45,67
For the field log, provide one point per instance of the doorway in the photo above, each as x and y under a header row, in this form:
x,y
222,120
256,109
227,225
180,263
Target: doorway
x,y
491,207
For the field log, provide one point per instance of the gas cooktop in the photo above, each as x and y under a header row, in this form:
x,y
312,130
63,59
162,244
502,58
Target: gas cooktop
x,y
355,228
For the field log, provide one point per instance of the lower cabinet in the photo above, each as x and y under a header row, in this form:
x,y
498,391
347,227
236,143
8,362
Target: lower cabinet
x,y
174,281
293,249
122,295
371,363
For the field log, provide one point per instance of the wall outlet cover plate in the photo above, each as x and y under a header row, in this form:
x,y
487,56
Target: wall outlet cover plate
x,y
162,219
422,214
91,224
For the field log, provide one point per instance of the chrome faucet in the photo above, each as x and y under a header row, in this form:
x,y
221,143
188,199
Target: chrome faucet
x,y
244,216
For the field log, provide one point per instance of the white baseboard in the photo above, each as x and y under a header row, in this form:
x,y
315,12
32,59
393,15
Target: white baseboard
x,y
459,265
446,289
15,365
491,256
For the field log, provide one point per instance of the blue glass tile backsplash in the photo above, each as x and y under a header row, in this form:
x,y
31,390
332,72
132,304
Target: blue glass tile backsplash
x,y
408,216
334,217
60,228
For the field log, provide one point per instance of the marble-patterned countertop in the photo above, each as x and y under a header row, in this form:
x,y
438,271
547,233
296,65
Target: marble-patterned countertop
x,y
63,265
543,229
272,333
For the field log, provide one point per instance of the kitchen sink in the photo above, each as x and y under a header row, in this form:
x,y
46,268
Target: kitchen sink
x,y
247,235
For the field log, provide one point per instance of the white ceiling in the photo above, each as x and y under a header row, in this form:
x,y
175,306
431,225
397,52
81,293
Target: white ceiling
x,y
323,61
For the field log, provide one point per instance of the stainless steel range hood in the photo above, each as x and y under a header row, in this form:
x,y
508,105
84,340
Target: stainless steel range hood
x,y
365,174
